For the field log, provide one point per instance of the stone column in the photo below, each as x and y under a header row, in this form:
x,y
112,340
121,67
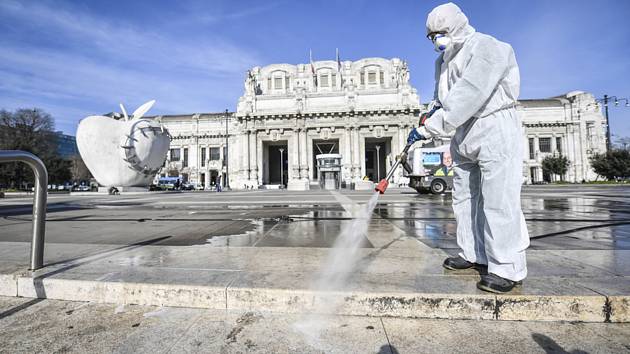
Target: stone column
x,y
303,155
570,146
298,182
585,144
346,159
294,158
400,144
361,154
259,160
356,150
242,158
253,174
309,154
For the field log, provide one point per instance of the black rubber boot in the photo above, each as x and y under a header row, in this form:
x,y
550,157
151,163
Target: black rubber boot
x,y
457,263
495,284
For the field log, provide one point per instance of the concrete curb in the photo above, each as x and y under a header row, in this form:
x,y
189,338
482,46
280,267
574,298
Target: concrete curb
x,y
8,285
591,308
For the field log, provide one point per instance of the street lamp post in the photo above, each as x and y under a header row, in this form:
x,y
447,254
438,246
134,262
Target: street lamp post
x,y
605,101
607,123
378,163
281,168
227,149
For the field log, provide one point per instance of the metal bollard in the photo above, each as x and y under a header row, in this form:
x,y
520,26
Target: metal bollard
x,y
39,203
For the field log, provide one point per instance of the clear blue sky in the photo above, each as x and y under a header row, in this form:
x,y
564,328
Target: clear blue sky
x,y
74,59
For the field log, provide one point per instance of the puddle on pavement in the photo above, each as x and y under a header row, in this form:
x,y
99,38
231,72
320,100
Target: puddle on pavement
x,y
314,228
247,239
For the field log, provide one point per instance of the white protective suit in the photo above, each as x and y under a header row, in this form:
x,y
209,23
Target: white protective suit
x,y
477,85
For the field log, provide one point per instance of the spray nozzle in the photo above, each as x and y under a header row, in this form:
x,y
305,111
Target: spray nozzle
x,y
381,187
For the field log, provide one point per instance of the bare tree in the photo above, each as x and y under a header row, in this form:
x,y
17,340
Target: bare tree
x,y
79,171
30,130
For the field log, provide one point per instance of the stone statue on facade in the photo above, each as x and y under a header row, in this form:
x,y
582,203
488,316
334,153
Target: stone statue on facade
x,y
300,96
350,90
402,74
405,73
250,84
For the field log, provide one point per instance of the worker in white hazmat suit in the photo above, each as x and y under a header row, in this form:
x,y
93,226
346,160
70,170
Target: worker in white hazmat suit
x,y
477,86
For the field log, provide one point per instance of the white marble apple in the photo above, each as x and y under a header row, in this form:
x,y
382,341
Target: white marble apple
x,y
123,152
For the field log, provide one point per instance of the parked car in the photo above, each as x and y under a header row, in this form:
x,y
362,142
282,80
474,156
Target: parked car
x,y
187,187
82,188
167,183
155,187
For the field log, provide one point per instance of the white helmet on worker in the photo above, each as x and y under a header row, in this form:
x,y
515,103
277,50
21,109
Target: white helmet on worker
x,y
448,28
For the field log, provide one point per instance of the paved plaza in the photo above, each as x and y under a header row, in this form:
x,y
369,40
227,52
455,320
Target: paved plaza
x,y
259,252
55,326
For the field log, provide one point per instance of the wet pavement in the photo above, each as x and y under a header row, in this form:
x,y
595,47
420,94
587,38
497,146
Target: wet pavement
x,y
559,218
261,250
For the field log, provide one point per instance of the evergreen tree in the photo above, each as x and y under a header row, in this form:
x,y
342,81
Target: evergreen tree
x,y
614,164
557,165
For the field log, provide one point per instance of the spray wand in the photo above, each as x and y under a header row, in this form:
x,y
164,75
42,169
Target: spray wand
x,y
402,158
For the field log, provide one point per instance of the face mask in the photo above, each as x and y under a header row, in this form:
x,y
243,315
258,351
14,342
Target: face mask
x,y
441,42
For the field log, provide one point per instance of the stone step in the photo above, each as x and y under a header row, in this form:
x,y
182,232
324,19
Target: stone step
x,y
579,308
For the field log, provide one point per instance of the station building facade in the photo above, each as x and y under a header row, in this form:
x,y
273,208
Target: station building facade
x,y
570,125
360,111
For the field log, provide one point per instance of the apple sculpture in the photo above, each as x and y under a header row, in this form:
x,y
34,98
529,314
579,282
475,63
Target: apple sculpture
x,y
123,152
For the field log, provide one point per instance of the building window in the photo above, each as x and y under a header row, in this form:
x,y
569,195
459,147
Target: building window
x,y
333,80
323,80
286,82
203,157
268,84
174,154
371,77
382,74
362,78
544,144
589,135
559,145
277,83
185,160
532,152
215,154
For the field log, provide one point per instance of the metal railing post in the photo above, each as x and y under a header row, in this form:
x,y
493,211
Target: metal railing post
x,y
39,202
